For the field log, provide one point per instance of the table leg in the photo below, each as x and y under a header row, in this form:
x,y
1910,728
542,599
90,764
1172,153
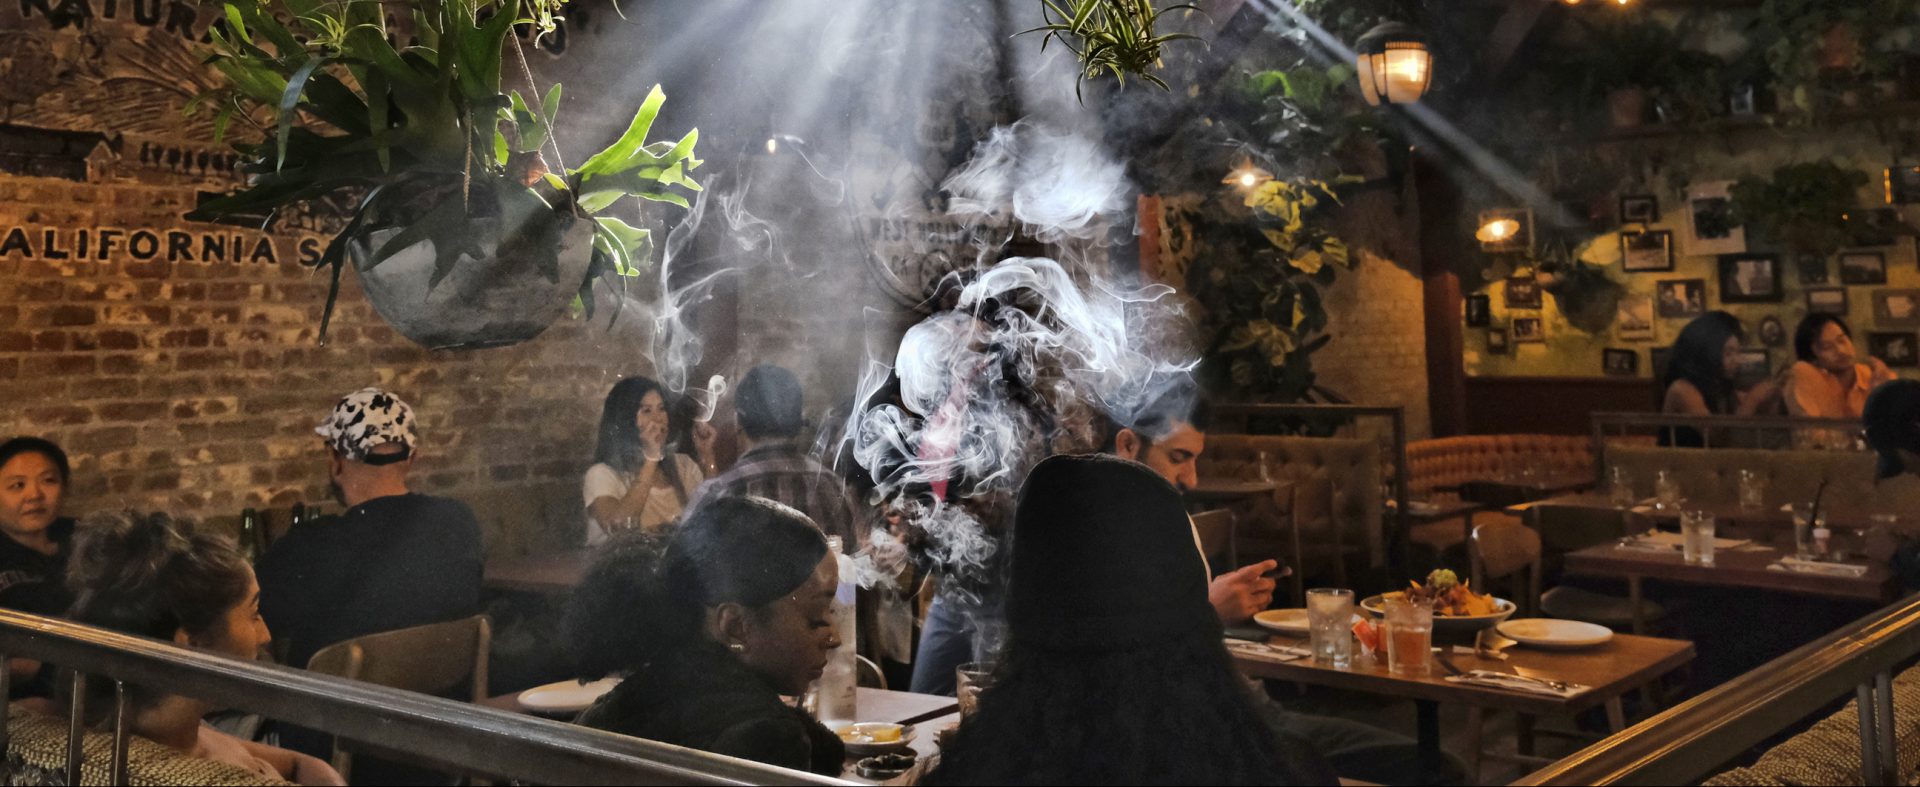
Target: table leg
x,y
1476,721
1426,724
1633,598
1616,716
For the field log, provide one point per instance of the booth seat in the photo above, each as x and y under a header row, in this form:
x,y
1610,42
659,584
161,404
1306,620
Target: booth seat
x,y
1712,475
37,755
1829,751
1329,487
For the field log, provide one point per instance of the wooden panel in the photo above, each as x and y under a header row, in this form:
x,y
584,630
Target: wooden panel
x,y
1550,405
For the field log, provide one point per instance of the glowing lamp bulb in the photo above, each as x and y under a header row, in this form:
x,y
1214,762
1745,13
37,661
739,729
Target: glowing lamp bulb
x,y
1246,176
1393,64
773,146
1249,180
1497,231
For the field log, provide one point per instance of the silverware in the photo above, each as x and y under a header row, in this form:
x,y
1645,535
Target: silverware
x,y
1448,666
1556,685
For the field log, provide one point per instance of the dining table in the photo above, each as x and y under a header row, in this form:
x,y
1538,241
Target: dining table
x,y
1771,517
1753,565
553,573
1229,490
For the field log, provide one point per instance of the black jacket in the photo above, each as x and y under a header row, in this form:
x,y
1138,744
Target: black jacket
x,y
708,700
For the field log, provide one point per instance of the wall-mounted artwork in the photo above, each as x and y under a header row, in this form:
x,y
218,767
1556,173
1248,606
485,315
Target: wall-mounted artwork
x,y
1750,278
1772,332
1863,267
1497,341
1896,308
1619,362
1523,292
1827,300
1899,350
1639,209
1642,252
1677,299
1811,267
1528,330
1479,310
1711,227
1633,320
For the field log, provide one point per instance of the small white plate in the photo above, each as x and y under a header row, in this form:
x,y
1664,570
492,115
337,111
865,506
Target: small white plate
x,y
860,748
567,696
1285,621
1550,633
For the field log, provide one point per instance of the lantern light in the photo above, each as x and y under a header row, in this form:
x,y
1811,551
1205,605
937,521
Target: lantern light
x,y
1393,64
1497,231
1246,176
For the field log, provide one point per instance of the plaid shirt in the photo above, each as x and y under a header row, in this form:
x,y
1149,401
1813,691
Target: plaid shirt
x,y
783,473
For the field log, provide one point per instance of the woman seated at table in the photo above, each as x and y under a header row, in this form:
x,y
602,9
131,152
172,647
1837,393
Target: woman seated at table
x,y
1701,377
33,556
1829,381
1114,671
710,627
640,477
145,574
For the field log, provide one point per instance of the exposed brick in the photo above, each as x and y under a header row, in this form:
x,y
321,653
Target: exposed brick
x,y
50,341
62,416
57,365
132,411
16,341
9,368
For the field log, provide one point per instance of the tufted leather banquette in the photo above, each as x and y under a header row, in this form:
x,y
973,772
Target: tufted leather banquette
x,y
1330,484
1448,462
1713,475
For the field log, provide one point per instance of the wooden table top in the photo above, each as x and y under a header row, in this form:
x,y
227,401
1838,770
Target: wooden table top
x,y
557,572
1420,512
1738,568
1623,664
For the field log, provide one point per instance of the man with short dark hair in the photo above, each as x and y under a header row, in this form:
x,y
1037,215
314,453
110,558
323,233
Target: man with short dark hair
x,y
768,407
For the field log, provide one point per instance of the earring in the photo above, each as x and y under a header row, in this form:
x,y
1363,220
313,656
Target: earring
x,y
737,647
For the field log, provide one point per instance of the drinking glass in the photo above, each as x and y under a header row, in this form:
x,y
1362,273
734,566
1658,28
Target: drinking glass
x,y
1753,491
1329,621
1804,522
1696,536
1666,489
1409,638
1620,487
969,680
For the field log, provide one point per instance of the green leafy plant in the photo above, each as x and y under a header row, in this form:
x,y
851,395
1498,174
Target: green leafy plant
x,y
1807,207
1808,44
423,137
1114,36
1629,54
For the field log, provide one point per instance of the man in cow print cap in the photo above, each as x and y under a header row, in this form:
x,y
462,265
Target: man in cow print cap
x,y
394,559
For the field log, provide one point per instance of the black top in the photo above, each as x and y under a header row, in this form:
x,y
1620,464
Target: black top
x,y
36,584
389,563
708,700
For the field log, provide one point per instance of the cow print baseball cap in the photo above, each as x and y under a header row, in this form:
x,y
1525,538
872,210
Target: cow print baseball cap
x,y
367,419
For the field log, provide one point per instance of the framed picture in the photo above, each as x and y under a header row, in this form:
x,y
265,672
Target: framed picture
x,y
1863,267
1527,330
1497,341
1646,251
1750,278
1772,332
1711,230
1900,350
1896,308
1479,310
1617,362
1740,99
1505,229
1639,209
1827,300
1523,292
1903,185
1633,320
1812,268
1680,298
1755,366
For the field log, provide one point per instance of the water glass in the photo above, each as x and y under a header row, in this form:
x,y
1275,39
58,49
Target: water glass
x,y
1330,625
1804,522
1696,536
969,680
1620,487
1409,638
1666,489
1753,491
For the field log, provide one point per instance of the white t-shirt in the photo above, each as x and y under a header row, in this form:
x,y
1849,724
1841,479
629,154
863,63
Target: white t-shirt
x,y
663,505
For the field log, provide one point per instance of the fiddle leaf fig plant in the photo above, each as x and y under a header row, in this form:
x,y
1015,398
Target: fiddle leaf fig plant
x,y
423,137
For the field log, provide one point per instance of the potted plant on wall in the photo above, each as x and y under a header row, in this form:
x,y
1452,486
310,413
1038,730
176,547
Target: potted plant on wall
x,y
1809,208
463,234
1816,48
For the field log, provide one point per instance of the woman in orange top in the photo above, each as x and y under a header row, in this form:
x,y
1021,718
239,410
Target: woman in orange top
x,y
1829,381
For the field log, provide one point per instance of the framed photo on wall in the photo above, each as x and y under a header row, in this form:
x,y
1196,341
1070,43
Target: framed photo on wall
x,y
1899,350
1479,310
1620,362
1863,267
1527,330
1711,228
1772,332
1523,292
1827,300
1644,251
1497,341
1812,268
1680,298
1633,318
1639,209
1750,278
1896,308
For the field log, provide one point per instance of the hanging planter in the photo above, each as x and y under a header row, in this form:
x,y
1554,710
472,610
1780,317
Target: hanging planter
x,y
462,237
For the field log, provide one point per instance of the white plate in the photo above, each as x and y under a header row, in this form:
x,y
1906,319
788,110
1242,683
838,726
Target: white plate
x,y
1550,633
1285,621
867,749
567,696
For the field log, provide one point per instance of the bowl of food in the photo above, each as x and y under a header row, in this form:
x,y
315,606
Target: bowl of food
x,y
885,766
872,737
1457,609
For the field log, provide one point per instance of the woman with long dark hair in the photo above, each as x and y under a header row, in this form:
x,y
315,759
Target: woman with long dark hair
x,y
1114,671
642,476
710,628
1701,374
1829,380
34,476
144,574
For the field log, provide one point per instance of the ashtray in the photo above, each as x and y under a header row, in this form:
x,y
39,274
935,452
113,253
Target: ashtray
x,y
885,766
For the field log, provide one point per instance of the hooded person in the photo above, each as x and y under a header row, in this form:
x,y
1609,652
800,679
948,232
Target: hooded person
x,y
1111,636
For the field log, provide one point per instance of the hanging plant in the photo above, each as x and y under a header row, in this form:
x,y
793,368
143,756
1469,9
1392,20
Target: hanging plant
x,y
1810,208
464,233
1115,37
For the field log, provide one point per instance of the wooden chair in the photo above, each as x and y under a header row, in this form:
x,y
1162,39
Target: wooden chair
x,y
1508,554
436,659
1217,539
867,673
1565,529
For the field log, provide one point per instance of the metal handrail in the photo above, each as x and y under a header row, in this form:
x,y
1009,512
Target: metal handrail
x,y
1698,737
454,736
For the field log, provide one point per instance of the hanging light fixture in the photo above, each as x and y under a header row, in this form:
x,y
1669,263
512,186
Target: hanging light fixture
x,y
1246,176
1393,64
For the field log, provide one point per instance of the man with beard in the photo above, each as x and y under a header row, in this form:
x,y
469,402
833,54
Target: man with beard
x,y
393,560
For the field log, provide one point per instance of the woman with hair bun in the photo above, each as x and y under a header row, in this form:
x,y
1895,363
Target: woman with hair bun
x,y
146,575
710,627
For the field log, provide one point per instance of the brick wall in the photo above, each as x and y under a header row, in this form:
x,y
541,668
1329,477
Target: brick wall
x,y
1378,354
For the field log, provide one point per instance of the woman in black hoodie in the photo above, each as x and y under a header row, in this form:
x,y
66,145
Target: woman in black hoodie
x,y
710,626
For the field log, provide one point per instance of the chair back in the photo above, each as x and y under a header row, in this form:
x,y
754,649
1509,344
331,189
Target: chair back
x,y
436,659
1217,540
868,674
1566,529
1507,552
